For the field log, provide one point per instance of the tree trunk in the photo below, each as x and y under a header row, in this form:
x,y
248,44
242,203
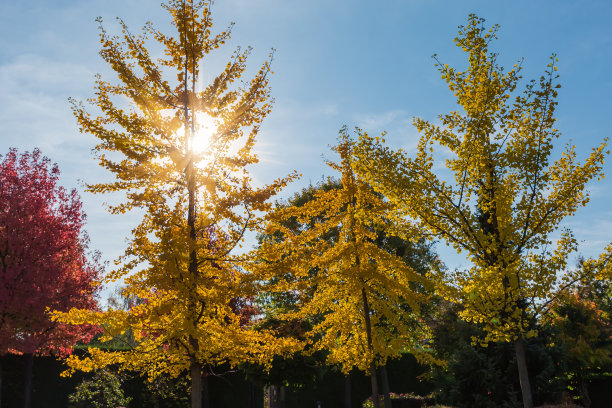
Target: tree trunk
x,y
275,396
385,385
27,389
373,380
196,367
584,393
282,397
347,391
272,394
196,384
521,360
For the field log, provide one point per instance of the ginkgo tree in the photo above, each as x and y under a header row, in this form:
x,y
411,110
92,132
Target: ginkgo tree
x,y
179,150
364,299
504,198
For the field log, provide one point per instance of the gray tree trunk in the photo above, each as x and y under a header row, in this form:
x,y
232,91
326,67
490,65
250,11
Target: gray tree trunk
x,y
196,384
385,385
521,359
373,380
282,396
272,392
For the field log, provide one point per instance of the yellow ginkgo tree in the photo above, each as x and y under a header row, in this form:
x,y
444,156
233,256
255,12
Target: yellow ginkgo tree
x,y
502,198
363,300
179,149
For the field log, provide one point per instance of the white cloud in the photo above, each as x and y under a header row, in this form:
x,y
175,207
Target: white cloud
x,y
401,133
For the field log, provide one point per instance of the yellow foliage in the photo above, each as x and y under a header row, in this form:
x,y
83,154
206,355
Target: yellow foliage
x,y
504,199
183,260
362,298
602,266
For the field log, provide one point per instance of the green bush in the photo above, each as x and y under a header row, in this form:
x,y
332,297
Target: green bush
x,y
103,390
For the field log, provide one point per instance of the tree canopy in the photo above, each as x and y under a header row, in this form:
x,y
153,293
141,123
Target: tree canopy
x,y
44,262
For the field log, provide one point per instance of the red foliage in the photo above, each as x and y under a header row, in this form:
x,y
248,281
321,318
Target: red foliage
x,y
244,308
43,262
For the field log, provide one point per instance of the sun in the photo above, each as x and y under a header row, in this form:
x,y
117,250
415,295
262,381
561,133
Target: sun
x,y
205,129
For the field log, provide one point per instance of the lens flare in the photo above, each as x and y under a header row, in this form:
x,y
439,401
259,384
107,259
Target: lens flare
x,y
205,129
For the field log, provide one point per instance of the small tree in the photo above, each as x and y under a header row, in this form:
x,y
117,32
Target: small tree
x,y
181,156
43,261
363,298
505,199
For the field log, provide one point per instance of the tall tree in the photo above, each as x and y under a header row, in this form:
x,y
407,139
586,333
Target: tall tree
x,y
180,155
364,297
43,261
504,199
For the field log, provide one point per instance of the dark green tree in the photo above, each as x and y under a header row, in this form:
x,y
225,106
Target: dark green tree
x,y
585,332
486,377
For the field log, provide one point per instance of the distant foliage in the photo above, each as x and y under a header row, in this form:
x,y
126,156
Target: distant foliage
x,y
585,333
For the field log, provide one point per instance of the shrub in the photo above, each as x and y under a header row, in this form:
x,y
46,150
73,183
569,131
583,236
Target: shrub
x,y
103,390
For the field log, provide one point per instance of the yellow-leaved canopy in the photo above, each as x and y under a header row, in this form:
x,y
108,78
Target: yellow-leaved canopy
x,y
196,198
363,299
504,197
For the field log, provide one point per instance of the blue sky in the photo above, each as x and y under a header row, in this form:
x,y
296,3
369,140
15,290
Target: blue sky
x,y
337,62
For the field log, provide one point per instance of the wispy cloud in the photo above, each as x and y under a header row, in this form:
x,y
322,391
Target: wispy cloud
x,y
34,104
591,230
35,113
396,123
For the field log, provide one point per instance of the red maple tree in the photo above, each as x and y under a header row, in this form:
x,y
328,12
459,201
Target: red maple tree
x,y
44,263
